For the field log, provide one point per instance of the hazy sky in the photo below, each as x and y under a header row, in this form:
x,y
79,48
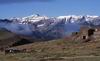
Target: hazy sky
x,y
20,8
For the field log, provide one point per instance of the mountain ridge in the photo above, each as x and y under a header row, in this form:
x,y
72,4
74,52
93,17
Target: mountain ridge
x,y
45,27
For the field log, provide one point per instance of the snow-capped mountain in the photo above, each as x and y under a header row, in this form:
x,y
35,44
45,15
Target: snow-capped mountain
x,y
81,19
68,19
44,27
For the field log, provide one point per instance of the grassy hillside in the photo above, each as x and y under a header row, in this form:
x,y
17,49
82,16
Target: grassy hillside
x,y
4,34
57,50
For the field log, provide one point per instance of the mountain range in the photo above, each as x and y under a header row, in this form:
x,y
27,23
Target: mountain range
x,y
47,28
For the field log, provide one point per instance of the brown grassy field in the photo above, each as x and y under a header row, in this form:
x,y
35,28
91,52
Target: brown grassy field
x,y
57,50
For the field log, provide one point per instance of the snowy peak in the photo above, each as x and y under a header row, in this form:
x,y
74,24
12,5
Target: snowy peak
x,y
33,18
88,19
37,16
74,17
81,19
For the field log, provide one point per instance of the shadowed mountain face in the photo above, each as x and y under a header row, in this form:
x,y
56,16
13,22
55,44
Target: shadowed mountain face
x,y
4,34
46,32
9,39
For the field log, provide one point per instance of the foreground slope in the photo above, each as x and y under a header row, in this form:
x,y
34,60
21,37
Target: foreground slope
x,y
58,50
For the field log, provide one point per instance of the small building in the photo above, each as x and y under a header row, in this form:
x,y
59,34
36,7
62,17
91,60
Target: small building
x,y
87,34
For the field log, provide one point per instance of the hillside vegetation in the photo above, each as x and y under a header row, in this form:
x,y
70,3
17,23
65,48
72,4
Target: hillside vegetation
x,y
57,50
4,34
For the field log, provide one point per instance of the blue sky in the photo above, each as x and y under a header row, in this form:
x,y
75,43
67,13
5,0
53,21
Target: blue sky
x,y
51,8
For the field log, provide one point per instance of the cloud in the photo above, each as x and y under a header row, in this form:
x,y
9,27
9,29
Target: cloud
x,y
22,1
